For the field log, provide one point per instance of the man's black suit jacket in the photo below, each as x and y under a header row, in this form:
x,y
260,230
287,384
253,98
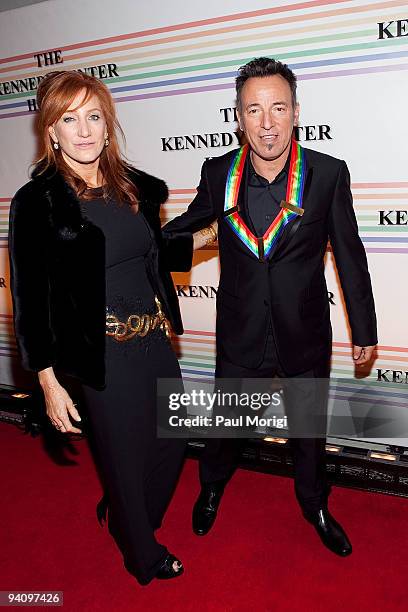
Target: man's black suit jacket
x,y
289,288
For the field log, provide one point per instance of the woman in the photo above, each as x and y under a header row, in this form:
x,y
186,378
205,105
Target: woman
x,y
93,299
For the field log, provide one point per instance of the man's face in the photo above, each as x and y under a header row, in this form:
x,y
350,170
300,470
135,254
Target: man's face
x,y
267,115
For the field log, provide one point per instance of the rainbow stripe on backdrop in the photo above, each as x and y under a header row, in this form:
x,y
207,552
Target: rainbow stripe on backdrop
x,y
368,199
196,353
262,247
197,356
319,39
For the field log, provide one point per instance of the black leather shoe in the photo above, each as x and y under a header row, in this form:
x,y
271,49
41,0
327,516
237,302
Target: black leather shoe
x,y
330,532
206,506
166,570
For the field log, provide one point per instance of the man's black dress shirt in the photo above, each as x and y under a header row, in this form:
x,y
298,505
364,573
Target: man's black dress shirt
x,y
264,198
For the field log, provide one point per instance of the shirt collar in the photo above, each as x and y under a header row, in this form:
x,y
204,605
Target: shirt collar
x,y
256,179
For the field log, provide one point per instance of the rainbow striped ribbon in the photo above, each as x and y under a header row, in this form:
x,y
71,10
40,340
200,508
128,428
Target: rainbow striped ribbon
x,y
261,247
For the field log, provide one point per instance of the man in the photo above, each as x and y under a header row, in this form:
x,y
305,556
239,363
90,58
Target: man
x,y
277,205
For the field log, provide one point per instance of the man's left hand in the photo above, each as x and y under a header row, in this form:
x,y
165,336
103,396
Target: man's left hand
x,y
362,354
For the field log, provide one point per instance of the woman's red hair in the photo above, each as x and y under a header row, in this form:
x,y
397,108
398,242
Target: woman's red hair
x,y
55,94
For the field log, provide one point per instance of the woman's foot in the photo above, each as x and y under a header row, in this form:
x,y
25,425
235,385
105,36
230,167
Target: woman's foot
x,y
170,568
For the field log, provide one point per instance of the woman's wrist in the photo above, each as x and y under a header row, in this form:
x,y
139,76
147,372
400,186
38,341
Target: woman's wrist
x,y
47,379
204,237
213,231
209,234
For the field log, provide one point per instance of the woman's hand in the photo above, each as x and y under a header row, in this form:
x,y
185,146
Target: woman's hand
x,y
58,403
205,236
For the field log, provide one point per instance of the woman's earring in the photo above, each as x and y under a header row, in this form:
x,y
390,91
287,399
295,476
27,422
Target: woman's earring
x,y
56,145
106,141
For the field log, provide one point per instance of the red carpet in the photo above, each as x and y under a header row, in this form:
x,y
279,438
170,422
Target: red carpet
x,y
260,556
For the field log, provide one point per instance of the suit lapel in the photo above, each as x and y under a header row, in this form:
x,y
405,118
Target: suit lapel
x,y
292,227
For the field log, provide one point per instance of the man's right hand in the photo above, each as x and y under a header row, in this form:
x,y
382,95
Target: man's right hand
x,y
362,354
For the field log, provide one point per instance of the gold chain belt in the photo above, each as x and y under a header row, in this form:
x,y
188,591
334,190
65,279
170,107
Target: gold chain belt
x,y
137,325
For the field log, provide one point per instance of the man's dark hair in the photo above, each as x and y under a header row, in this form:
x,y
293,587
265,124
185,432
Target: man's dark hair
x,y
264,67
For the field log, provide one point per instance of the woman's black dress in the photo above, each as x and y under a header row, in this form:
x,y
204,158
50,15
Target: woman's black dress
x,y
138,469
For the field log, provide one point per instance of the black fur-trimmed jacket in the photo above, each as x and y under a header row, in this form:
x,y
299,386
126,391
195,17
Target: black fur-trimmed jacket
x,y
57,266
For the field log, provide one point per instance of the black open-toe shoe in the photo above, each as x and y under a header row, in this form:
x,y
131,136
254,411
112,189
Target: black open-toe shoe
x,y
166,570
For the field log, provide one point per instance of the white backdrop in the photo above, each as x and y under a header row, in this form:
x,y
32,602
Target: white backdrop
x,y
172,68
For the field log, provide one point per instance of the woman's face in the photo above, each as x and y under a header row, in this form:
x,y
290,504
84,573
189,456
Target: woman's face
x,y
81,133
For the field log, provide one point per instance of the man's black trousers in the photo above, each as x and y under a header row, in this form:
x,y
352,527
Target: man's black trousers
x,y
220,456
